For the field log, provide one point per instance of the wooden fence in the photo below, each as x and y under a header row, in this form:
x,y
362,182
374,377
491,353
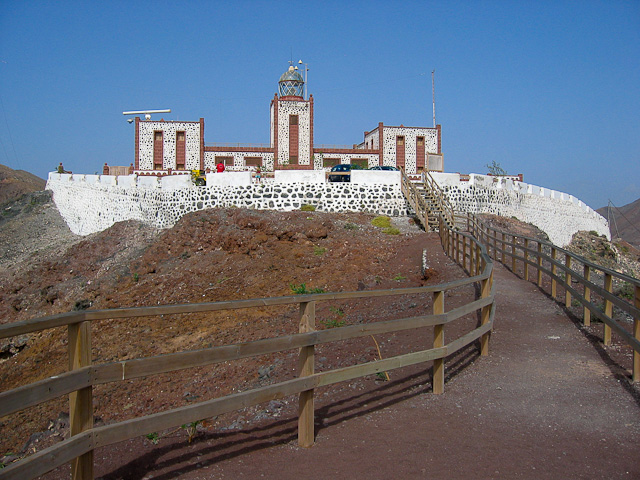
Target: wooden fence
x,y
82,376
583,281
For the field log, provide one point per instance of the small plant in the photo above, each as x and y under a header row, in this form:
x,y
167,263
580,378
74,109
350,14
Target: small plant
x,y
153,437
136,277
382,376
399,278
333,323
391,231
625,290
302,289
319,251
308,208
192,429
351,226
382,222
496,169
336,321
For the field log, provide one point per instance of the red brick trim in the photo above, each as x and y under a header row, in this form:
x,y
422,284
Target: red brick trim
x,y
201,143
311,130
239,149
275,130
380,144
292,98
439,129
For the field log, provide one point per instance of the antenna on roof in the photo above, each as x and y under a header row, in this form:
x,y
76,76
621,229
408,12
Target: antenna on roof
x,y
146,113
433,95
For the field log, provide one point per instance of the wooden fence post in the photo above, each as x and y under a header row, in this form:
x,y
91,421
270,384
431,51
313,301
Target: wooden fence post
x,y
464,252
526,258
636,333
80,401
306,368
485,314
587,296
513,253
438,341
567,293
608,308
503,247
539,264
554,273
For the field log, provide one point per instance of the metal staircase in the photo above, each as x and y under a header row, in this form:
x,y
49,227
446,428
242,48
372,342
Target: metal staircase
x,y
428,202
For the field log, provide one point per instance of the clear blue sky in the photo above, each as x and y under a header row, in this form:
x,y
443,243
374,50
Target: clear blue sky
x,y
550,89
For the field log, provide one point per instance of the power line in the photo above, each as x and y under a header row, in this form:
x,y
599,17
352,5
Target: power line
x,y
622,215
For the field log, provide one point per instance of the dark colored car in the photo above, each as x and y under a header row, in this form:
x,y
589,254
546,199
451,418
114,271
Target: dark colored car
x,y
385,167
340,173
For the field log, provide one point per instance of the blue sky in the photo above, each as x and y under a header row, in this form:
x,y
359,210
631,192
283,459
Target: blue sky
x,y
547,89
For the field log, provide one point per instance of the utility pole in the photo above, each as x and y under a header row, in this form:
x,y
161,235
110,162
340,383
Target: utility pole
x,y
433,95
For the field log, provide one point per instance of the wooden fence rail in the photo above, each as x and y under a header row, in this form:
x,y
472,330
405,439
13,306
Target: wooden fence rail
x,y
82,376
577,276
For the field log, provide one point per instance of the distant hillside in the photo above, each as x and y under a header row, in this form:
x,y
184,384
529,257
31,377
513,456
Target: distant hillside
x,y
15,183
627,221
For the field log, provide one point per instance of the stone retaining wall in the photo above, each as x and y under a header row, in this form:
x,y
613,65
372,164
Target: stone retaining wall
x,y
558,214
91,203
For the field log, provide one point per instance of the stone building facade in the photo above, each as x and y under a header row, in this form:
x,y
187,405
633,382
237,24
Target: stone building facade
x,y
169,147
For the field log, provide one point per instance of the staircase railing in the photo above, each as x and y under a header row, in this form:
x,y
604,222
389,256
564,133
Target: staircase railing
x,y
419,203
416,200
440,197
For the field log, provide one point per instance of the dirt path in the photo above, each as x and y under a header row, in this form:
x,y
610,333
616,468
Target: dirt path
x,y
543,404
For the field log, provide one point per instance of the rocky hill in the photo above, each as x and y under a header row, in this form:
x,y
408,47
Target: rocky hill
x,y
14,183
624,222
209,255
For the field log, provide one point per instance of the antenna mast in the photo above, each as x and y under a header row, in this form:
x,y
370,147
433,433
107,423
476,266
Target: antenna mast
x,y
433,95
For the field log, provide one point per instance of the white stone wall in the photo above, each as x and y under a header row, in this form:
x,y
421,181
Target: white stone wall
x,y
303,110
92,206
169,129
410,135
558,214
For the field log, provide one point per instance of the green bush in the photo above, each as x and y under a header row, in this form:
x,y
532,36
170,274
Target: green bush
x,y
391,231
302,289
382,222
308,208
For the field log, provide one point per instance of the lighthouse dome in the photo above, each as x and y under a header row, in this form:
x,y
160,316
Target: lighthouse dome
x,y
291,83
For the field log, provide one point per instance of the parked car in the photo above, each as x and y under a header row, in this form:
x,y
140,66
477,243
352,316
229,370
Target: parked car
x,y
341,173
385,167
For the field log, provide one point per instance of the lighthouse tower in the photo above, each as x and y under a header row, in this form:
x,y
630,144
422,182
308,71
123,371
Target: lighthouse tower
x,y
292,122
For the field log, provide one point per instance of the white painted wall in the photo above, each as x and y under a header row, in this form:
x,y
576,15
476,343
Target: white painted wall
x,y
558,214
299,176
89,208
375,177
